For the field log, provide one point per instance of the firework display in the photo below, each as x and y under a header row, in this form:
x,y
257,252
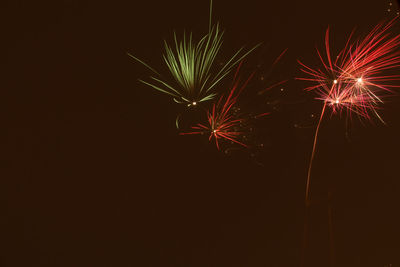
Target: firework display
x,y
200,133
353,81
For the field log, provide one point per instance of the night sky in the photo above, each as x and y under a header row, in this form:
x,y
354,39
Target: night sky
x,y
95,173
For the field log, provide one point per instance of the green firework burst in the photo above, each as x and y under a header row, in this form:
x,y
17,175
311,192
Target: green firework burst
x,y
192,66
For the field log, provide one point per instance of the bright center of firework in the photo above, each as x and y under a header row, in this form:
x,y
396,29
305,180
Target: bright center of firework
x,y
335,81
214,131
194,103
360,80
337,101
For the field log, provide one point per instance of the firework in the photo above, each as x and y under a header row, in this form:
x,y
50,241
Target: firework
x,y
353,82
192,66
356,79
224,122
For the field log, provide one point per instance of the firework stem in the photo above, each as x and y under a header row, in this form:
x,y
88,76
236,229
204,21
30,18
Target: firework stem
x,y
307,199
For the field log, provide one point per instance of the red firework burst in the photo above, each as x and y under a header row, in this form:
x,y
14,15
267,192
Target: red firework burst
x,y
223,120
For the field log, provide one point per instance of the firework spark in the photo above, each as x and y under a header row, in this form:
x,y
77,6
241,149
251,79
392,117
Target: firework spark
x,y
192,66
223,120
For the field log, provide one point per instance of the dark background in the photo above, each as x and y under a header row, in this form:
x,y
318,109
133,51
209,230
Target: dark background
x,y
95,173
